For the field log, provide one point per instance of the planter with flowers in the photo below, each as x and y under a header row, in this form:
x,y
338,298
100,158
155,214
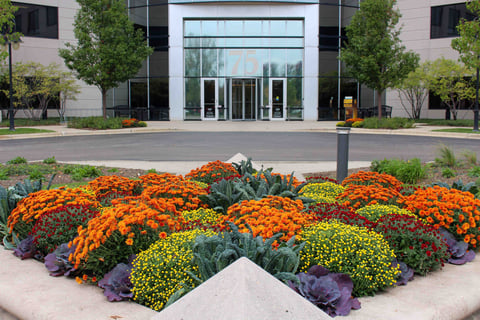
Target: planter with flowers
x,y
154,239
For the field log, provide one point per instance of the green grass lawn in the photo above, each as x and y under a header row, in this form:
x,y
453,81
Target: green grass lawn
x,y
459,130
22,131
22,122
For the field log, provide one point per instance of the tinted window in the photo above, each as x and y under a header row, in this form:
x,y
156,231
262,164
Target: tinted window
x,y
444,20
36,21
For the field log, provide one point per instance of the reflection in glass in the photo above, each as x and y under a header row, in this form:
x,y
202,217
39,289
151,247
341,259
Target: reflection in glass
x,y
277,27
277,99
277,60
295,28
192,62
209,90
233,27
209,62
192,28
209,28
294,62
253,27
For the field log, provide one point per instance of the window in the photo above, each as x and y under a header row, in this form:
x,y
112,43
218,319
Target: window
x,y
36,20
444,20
33,23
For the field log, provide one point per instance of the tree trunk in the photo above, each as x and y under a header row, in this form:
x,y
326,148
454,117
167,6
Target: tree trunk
x,y
104,104
379,103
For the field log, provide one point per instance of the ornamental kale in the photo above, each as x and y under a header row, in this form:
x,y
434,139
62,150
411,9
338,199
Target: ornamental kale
x,y
406,273
57,261
331,292
26,249
117,282
458,249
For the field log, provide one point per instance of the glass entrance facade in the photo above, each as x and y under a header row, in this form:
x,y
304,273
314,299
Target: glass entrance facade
x,y
243,55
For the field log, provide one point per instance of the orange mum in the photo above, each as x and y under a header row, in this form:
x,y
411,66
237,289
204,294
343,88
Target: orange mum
x,y
453,209
269,216
212,171
370,177
107,188
358,196
31,208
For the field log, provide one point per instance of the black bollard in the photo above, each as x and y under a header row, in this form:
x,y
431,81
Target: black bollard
x,y
342,153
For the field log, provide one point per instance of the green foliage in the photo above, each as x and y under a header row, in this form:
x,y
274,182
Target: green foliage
x,y
212,254
409,172
113,170
81,172
451,81
164,268
388,123
413,92
374,212
448,173
467,43
226,192
35,85
36,174
374,54
109,50
98,123
152,171
4,132
362,254
446,156
25,122
470,157
17,160
474,172
50,160
7,23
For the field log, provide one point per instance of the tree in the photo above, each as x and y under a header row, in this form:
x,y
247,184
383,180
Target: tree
x,y
373,54
451,81
109,50
7,26
413,92
468,44
35,85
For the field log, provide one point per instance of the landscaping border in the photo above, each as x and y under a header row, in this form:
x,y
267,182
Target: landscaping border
x,y
29,293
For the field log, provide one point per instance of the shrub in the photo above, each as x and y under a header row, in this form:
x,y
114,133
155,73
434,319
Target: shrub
x,y
126,228
322,192
211,171
362,254
474,172
17,160
457,211
60,225
446,156
80,172
334,211
376,211
388,123
50,160
107,188
161,270
30,209
95,123
366,178
359,196
269,216
406,171
448,173
420,246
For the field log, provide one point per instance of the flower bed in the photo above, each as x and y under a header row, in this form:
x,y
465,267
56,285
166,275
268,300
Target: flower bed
x,y
273,223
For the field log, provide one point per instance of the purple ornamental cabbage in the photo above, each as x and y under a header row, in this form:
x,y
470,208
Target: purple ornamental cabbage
x,y
25,249
458,249
331,292
117,283
57,261
406,273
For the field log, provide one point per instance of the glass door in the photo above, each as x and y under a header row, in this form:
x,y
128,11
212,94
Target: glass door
x,y
278,89
244,99
209,96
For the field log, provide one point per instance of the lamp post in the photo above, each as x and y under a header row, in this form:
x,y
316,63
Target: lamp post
x,y
475,111
10,108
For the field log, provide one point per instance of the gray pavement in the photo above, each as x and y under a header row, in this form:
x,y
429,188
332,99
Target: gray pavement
x,y
285,167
